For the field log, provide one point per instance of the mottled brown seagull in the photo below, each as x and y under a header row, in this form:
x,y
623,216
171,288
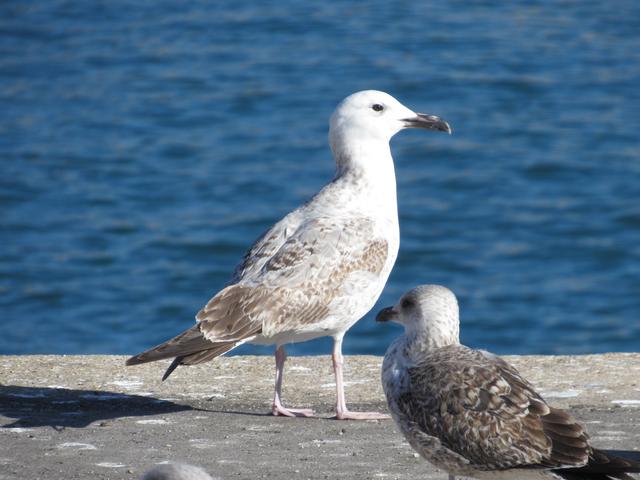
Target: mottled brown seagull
x,y
470,412
322,267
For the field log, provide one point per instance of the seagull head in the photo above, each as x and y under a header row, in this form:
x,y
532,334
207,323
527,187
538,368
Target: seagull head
x,y
429,312
375,115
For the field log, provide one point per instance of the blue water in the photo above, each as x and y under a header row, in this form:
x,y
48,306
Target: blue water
x,y
144,147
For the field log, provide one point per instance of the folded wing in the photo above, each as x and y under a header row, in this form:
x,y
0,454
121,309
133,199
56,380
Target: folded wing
x,y
284,287
481,409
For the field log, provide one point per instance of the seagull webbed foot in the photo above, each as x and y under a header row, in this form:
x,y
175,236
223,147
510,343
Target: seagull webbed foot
x,y
348,415
281,411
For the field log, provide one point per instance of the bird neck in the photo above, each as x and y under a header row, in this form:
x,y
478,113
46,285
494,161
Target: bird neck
x,y
371,156
424,339
369,165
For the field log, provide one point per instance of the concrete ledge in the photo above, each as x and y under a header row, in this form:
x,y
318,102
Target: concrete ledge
x,y
66,417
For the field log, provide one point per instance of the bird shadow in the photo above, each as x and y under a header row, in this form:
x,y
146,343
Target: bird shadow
x,y
60,408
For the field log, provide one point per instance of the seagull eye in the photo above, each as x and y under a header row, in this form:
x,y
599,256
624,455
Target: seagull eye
x,y
377,107
406,303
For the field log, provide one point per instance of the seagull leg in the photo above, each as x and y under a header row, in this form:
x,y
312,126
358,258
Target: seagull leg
x,y
342,413
277,409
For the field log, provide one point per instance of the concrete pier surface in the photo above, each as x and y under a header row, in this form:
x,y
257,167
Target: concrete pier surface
x,y
90,417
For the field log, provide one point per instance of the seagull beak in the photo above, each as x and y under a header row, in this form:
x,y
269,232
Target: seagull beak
x,y
386,314
430,122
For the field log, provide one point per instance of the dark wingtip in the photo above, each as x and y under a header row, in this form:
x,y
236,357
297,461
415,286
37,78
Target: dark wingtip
x,y
604,465
176,362
135,360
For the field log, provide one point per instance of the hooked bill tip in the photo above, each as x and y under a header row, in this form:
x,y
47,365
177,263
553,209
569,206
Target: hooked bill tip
x,y
428,122
385,314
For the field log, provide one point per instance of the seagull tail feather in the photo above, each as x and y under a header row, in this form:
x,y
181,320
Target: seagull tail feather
x,y
605,465
199,357
191,347
188,348
186,343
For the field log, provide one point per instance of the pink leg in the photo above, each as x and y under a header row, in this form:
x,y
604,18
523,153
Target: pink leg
x,y
342,413
277,407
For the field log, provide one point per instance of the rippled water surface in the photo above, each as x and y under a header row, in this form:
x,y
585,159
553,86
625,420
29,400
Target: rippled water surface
x,y
145,147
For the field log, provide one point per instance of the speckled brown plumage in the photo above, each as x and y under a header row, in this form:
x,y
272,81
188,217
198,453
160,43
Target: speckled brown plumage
x,y
471,413
481,408
313,263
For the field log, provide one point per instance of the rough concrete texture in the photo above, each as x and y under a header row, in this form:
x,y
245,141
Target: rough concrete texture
x,y
79,417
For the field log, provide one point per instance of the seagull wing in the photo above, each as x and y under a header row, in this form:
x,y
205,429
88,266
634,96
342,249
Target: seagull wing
x,y
480,408
299,281
291,283
266,246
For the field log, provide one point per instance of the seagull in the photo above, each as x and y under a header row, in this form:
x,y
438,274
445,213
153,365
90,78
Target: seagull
x,y
471,413
323,266
176,471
